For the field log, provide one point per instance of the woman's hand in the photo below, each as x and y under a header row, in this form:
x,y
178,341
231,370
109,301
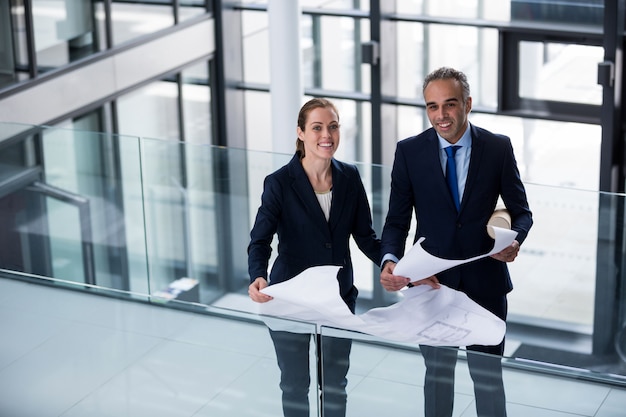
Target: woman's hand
x,y
254,291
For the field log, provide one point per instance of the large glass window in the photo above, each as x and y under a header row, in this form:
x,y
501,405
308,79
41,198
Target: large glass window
x,y
573,11
153,110
331,52
191,8
422,48
336,4
258,120
196,104
64,31
560,72
323,4
355,119
409,121
255,40
561,154
150,111
579,12
447,8
132,20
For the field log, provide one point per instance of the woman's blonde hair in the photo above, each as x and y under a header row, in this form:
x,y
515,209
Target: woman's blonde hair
x,y
314,103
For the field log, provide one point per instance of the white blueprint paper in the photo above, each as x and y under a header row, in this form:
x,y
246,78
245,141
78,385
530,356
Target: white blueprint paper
x,y
418,264
442,317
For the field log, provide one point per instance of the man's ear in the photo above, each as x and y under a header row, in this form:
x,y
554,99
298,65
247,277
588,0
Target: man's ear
x,y
468,105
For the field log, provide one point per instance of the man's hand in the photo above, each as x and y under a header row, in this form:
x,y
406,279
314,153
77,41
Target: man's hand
x,y
507,254
254,291
392,282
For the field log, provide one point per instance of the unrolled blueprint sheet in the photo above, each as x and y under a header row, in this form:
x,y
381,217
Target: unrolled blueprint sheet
x,y
417,263
442,317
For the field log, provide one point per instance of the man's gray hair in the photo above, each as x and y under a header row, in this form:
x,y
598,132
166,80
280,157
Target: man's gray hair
x,y
447,73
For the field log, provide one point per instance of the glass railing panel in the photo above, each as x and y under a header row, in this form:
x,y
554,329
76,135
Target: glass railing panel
x,y
266,384
389,377
163,211
85,165
291,385
73,206
196,216
555,272
130,359
180,216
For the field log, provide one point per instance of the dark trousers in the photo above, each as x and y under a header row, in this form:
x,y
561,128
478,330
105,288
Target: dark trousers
x,y
292,353
485,366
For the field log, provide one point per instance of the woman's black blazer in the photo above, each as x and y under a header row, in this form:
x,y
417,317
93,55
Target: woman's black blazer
x,y
290,209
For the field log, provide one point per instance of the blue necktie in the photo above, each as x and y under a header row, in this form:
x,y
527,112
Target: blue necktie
x,y
451,175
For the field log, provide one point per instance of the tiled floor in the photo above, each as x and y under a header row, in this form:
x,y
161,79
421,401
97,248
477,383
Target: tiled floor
x,y
70,354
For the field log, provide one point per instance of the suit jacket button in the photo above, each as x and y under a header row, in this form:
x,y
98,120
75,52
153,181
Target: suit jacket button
x,y
328,245
459,225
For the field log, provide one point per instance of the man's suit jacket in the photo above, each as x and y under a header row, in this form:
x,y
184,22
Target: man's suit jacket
x,y
290,208
418,182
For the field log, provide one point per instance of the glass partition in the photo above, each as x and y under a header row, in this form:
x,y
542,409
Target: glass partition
x,y
159,203
157,207
168,222
554,276
386,377
121,357
63,196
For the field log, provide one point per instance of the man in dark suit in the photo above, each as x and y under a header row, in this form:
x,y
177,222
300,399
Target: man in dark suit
x,y
486,170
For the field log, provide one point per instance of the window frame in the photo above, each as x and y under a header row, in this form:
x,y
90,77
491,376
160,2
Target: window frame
x,y
509,100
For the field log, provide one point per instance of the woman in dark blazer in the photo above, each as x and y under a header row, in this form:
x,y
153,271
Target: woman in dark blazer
x,y
314,204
